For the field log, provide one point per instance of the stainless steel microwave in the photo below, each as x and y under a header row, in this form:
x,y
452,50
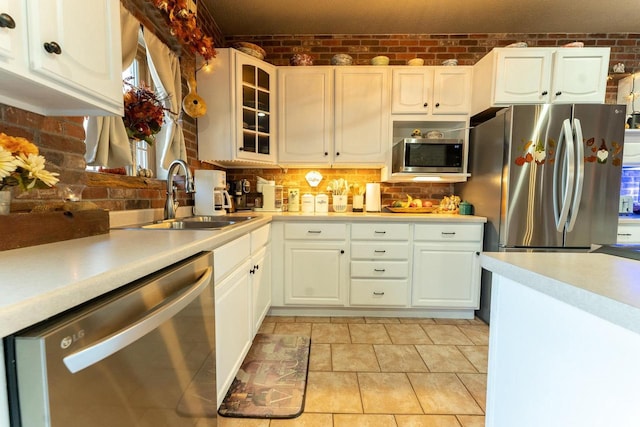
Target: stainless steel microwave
x,y
424,155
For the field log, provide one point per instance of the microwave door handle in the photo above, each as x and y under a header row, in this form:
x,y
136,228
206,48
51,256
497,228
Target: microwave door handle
x,y
561,214
107,346
579,174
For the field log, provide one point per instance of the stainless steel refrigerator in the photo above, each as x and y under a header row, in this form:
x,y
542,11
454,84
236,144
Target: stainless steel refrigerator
x,y
547,177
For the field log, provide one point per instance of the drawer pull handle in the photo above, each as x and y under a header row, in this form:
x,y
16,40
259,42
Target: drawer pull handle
x,y
378,293
6,21
448,233
379,270
380,251
314,231
380,232
624,234
53,47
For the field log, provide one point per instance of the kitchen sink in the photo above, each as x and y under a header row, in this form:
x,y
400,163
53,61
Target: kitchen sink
x,y
199,222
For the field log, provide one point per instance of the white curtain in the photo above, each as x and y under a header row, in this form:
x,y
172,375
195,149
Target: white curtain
x,y
165,71
106,137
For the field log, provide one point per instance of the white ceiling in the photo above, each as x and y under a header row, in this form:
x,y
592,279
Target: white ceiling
x,y
260,17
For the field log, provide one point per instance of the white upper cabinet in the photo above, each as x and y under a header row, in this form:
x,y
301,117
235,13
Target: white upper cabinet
x,y
333,116
508,76
431,90
305,114
62,57
362,110
239,126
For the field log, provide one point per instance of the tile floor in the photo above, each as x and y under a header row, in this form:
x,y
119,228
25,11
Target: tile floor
x,y
387,372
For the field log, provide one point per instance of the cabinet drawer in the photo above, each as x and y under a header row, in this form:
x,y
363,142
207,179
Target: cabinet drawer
x,y
227,257
260,237
449,232
378,292
380,231
383,251
629,233
315,231
380,269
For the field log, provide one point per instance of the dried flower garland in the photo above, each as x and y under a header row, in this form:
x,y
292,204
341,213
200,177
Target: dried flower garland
x,y
143,113
183,25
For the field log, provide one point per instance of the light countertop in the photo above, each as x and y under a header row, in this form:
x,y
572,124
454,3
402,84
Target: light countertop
x,y
603,285
41,281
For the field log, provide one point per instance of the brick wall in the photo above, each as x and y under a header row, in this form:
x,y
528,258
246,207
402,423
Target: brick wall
x,y
435,48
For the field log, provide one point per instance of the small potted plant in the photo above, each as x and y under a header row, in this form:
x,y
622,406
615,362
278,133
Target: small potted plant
x,y
339,188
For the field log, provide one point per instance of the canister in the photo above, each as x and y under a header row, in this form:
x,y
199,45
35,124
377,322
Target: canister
x,y
308,203
294,199
466,208
322,203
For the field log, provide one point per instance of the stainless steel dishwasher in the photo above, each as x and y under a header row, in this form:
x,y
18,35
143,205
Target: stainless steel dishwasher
x,y
143,355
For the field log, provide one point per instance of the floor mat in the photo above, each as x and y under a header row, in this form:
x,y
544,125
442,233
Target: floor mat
x,y
272,380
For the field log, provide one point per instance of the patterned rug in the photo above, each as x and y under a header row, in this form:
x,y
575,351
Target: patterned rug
x,y
272,380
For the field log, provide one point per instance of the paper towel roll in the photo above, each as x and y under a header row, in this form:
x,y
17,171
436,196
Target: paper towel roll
x,y
372,197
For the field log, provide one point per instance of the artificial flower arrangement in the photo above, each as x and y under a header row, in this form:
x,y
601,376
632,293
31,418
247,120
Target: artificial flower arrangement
x,y
22,166
143,113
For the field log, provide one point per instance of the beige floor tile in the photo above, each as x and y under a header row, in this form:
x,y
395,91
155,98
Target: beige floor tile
x,y
478,355
280,319
305,420
381,320
441,393
478,321
320,357
313,319
444,358
267,328
407,334
477,386
369,334
446,334
471,420
333,392
292,328
387,393
366,420
347,319
354,358
399,358
478,334
330,333
241,422
427,421
417,320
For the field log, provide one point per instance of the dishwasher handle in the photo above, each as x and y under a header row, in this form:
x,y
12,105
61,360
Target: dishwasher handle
x,y
107,346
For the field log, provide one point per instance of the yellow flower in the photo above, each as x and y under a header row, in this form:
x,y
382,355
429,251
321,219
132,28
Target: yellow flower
x,y
17,144
34,165
8,163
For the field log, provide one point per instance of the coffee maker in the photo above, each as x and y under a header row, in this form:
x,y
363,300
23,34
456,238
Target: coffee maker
x,y
212,197
240,190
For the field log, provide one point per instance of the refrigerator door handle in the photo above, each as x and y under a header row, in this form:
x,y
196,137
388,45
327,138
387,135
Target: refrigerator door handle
x,y
567,176
579,174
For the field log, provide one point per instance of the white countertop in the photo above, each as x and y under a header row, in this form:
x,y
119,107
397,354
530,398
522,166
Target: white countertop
x,y
603,285
41,281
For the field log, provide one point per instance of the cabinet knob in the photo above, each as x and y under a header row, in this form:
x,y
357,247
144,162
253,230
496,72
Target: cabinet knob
x,y
337,153
437,104
241,148
326,153
341,251
425,105
558,93
6,21
252,271
53,47
256,267
545,93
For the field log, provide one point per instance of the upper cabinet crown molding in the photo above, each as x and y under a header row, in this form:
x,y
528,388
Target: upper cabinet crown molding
x,y
62,57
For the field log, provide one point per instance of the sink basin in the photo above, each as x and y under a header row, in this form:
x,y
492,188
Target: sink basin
x,y
200,222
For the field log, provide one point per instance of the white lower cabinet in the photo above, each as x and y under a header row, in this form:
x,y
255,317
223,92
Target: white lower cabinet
x,y
316,269
260,271
446,266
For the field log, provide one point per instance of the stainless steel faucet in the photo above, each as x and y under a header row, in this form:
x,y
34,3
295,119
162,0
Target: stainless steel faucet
x,y
171,204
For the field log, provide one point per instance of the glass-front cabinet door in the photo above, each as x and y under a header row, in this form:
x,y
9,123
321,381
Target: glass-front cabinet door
x,y
256,87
